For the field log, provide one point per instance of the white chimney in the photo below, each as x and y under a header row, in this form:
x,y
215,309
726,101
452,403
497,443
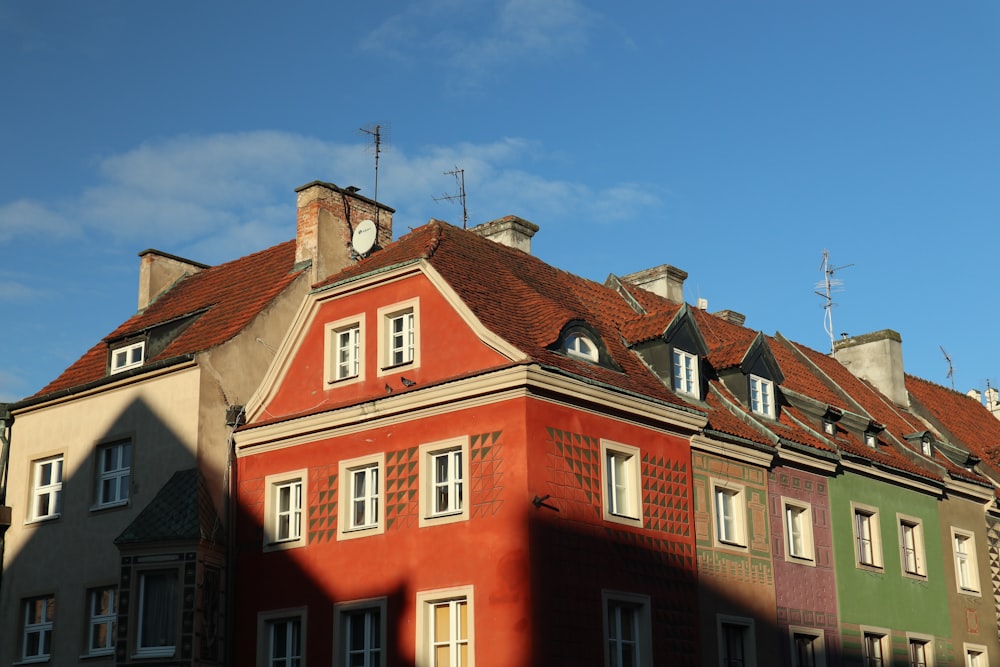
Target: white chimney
x,y
878,358
509,230
664,280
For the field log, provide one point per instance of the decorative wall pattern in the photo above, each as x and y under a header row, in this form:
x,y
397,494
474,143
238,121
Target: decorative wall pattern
x,y
993,542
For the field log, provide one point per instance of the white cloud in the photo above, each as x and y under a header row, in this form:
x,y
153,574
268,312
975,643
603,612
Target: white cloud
x,y
14,291
30,218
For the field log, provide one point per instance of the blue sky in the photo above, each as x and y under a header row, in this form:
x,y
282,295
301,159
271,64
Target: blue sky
x,y
734,139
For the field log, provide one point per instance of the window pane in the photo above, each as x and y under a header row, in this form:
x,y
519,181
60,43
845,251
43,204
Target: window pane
x,y
158,608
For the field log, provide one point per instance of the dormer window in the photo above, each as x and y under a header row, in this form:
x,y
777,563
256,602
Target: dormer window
x,y
762,396
871,434
579,345
128,357
925,446
871,440
829,427
686,373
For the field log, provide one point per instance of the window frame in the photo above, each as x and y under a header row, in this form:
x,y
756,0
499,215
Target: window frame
x,y
265,624
631,490
425,604
874,539
915,526
387,365
342,612
53,490
140,650
579,345
332,347
41,627
427,454
272,542
95,620
804,510
970,559
926,642
982,655
346,530
761,396
640,606
685,373
128,363
884,642
122,475
818,637
737,494
724,621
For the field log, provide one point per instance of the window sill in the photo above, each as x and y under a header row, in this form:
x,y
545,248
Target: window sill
x,y
285,544
98,655
868,567
393,367
343,380
44,519
109,506
32,661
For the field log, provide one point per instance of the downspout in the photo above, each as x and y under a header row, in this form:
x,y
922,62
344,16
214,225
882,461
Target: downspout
x,y
6,420
235,417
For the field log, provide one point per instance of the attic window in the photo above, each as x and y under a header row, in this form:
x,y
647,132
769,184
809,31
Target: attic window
x,y
925,446
579,345
762,396
829,427
871,440
686,373
127,357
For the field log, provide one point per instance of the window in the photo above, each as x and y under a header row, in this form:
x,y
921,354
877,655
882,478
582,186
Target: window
x,y
867,539
581,346
686,373
737,646
129,356
281,638
399,335
444,471
360,511
445,628
621,475
360,633
730,517
101,612
761,396
966,567
113,473
627,629
911,546
875,648
344,350
46,488
158,611
925,446
807,647
976,656
39,615
798,530
348,353
283,510
919,651
829,427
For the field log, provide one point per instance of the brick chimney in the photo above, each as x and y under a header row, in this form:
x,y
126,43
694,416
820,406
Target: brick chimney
x,y
158,272
665,280
327,216
510,231
878,358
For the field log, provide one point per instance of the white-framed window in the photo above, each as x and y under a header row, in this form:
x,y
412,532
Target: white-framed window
x,y
729,510
46,488
829,427
621,475
627,630
581,346
445,628
966,565
798,530
976,655
345,360
362,491
114,473
871,440
761,396
127,357
281,638
36,638
101,616
158,612
920,650
737,643
360,633
686,373
808,646
925,446
875,647
399,336
284,507
867,536
911,545
444,478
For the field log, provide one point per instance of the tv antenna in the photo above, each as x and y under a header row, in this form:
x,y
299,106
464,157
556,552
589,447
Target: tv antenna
x,y
829,285
951,368
377,134
459,175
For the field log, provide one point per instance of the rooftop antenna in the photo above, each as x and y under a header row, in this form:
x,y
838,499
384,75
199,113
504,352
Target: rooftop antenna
x,y
829,285
951,368
378,134
459,175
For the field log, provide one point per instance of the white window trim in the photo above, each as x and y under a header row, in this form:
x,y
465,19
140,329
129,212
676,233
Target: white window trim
x,y
633,515
424,605
644,627
972,562
750,647
808,555
738,493
926,640
885,641
767,388
140,651
94,620
875,526
345,503
819,646
271,483
916,524
682,360
980,649
385,314
581,346
340,612
54,489
128,350
426,471
265,618
43,629
331,350
117,474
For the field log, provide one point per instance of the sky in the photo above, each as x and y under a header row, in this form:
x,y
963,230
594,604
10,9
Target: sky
x,y
734,139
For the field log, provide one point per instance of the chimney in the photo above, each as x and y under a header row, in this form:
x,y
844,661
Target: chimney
x,y
731,316
158,272
510,230
327,216
878,358
665,280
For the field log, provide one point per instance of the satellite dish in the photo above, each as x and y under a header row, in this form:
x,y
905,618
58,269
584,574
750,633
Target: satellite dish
x,y
364,236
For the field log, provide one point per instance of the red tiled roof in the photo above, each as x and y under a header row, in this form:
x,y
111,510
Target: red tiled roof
x,y
227,296
964,417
